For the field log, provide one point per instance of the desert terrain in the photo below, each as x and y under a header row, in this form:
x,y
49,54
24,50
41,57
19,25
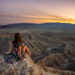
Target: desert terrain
x,y
53,51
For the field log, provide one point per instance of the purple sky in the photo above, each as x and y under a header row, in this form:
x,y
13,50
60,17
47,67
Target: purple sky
x,y
37,11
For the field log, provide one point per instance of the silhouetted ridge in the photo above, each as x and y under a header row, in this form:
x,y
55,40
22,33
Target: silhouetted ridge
x,y
43,25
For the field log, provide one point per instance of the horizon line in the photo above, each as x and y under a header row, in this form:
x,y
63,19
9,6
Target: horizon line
x,y
38,23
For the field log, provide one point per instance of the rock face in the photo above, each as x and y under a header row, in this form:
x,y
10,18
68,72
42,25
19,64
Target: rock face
x,y
59,59
56,56
70,64
62,48
24,67
56,63
53,60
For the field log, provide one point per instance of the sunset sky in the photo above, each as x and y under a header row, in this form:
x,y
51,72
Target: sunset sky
x,y
37,11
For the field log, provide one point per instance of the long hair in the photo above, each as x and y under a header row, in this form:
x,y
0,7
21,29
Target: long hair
x,y
17,39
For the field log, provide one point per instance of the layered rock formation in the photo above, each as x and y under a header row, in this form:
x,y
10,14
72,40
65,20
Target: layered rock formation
x,y
62,48
24,67
59,60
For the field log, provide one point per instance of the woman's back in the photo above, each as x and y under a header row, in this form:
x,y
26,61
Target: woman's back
x,y
15,46
20,49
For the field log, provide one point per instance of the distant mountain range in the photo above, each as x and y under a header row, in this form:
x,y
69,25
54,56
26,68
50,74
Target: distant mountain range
x,y
43,25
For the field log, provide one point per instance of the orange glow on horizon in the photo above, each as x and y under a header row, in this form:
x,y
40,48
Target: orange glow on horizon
x,y
50,21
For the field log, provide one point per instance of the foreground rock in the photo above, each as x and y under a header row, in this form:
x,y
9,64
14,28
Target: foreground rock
x,y
24,67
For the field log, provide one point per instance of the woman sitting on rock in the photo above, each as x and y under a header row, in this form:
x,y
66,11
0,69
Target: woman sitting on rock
x,y
18,48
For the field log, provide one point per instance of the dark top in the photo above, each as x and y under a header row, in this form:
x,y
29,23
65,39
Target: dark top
x,y
15,49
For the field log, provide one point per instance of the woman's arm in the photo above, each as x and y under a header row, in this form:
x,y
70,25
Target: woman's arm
x,y
27,50
19,48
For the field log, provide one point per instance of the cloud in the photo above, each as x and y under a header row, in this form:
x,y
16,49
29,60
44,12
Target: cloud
x,y
37,10
15,18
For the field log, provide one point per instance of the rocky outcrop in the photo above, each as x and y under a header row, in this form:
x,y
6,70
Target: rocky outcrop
x,y
70,64
24,67
59,60
62,48
53,60
56,56
56,63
